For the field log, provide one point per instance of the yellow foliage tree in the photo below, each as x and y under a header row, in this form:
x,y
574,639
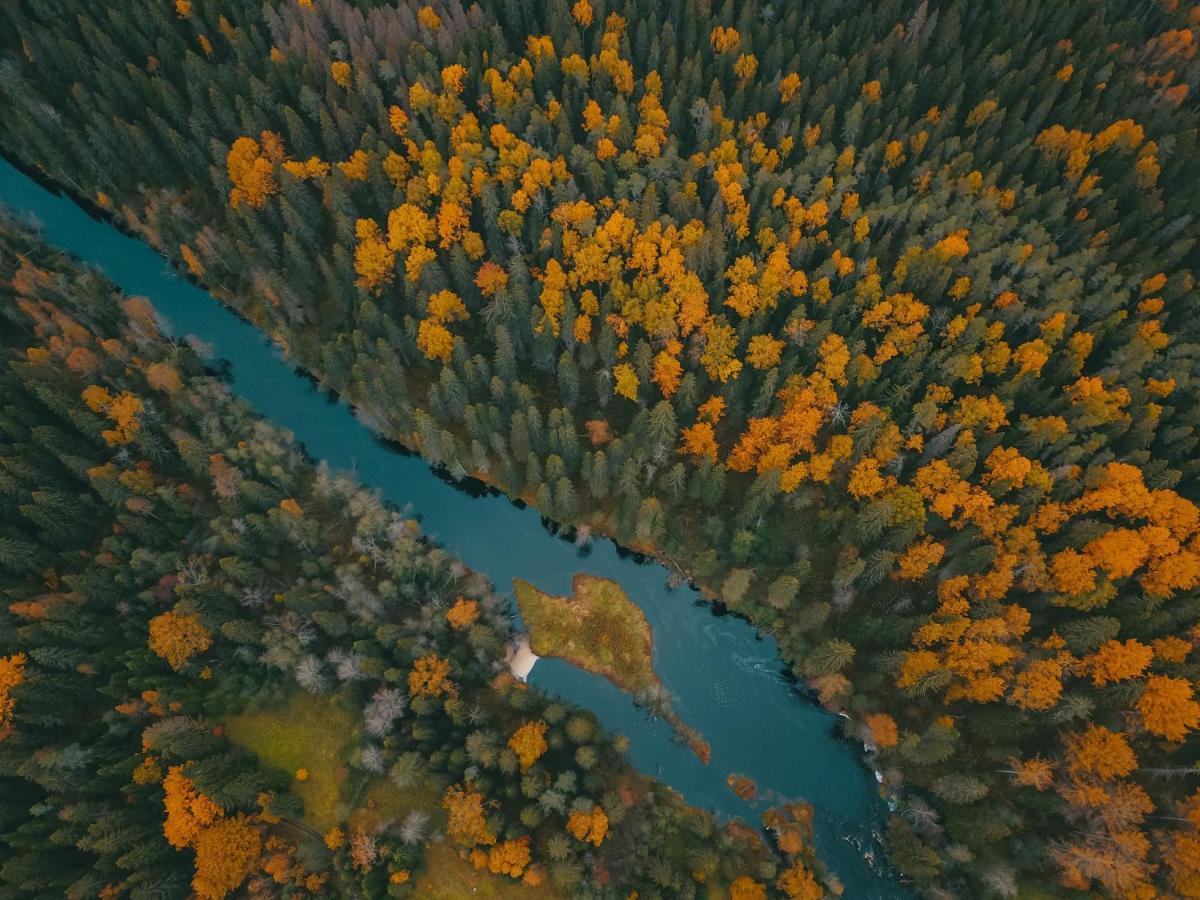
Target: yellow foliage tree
x,y
764,351
745,888
12,673
582,12
177,637
435,341
374,259
724,39
463,614
430,677
1168,708
251,172
529,743
467,824
626,381
124,410
226,853
510,857
589,827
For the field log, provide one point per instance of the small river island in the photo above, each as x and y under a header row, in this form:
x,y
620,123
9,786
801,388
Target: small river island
x,y
599,629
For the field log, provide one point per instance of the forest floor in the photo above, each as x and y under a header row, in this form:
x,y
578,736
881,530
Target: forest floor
x,y
600,630
383,802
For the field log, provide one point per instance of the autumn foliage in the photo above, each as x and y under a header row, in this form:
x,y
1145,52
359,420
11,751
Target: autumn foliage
x,y
467,823
529,743
463,614
252,170
12,673
177,637
877,327
227,847
590,827
430,677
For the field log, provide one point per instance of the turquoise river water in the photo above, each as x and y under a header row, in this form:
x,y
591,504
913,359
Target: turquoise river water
x,y
725,680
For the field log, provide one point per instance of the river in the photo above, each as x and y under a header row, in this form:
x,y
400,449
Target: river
x,y
724,679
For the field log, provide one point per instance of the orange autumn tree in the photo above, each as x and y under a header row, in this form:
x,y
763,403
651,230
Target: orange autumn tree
x,y
918,559
1181,848
490,278
1100,752
589,827
1037,773
463,614
506,858
430,677
124,409
12,673
177,637
227,848
1117,661
745,888
433,337
374,259
251,168
798,883
188,811
699,441
883,729
467,823
975,653
1168,708
226,854
1040,685
1109,849
529,743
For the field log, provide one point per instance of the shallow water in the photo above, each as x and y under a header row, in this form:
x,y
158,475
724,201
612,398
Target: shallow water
x,y
725,681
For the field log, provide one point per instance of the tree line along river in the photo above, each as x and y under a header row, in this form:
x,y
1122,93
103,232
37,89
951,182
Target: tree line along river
x,y
724,680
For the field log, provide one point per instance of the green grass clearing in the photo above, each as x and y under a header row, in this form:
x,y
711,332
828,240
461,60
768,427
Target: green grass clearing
x,y
383,803
308,732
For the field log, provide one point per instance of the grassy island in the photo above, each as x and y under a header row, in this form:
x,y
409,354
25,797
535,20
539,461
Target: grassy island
x,y
599,629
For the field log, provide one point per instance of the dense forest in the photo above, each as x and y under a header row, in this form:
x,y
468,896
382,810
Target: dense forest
x,y
871,319
169,562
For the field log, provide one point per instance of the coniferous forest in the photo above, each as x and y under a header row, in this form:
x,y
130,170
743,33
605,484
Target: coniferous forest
x,y
171,561
875,320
